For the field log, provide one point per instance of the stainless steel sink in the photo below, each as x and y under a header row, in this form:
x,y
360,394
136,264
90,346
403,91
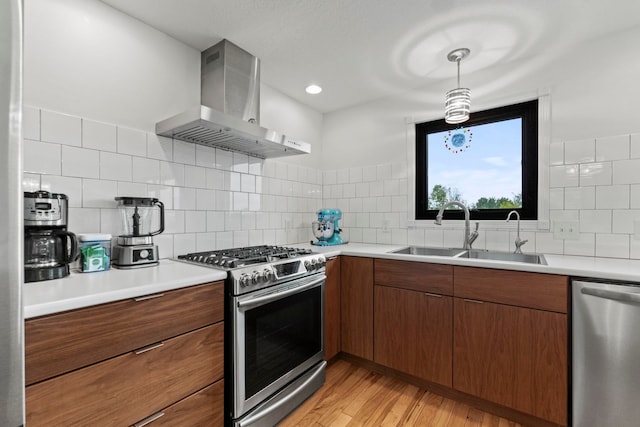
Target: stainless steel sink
x,y
504,256
472,254
426,251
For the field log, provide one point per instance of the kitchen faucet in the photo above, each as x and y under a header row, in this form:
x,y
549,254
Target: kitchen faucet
x,y
469,238
518,242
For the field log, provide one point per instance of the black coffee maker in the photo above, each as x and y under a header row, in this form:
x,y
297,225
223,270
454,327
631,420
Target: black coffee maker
x,y
48,247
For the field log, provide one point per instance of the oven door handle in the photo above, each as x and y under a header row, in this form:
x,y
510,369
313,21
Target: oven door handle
x,y
254,302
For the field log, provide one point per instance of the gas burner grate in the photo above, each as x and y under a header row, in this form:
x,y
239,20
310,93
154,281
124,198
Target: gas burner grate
x,y
239,257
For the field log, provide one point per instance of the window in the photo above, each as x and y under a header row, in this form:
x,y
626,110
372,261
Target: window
x,y
490,164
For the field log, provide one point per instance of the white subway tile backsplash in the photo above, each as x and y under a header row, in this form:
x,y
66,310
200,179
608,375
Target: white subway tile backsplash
x,y
349,190
240,201
496,240
626,171
557,197
612,148
247,183
240,162
159,147
205,156
434,237
342,176
132,189
383,172
612,245
71,187
84,220
195,221
584,246
195,177
98,194
232,181
184,152
578,198
163,193
172,174
145,170
132,142
292,172
383,237
595,221
563,176
583,151
215,221
165,245
369,173
383,204
184,198
174,222
256,167
355,175
612,197
31,182
547,244
595,174
207,242
80,162
185,243
99,136
624,221
205,199
41,157
233,221
634,193
60,128
116,167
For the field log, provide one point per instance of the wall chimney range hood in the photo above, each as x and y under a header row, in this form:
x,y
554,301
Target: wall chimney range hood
x,y
229,116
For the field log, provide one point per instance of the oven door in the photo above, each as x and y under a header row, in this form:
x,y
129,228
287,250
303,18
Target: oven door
x,y
278,335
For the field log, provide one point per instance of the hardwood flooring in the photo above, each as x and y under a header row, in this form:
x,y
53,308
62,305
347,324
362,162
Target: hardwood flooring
x,y
354,396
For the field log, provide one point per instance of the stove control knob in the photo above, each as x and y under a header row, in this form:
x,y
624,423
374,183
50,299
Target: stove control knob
x,y
267,275
307,265
255,277
244,279
322,262
314,264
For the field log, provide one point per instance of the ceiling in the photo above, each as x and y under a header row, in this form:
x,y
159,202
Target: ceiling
x,y
361,50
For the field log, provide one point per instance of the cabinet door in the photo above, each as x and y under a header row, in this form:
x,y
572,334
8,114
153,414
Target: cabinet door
x,y
127,388
513,356
356,302
332,309
413,333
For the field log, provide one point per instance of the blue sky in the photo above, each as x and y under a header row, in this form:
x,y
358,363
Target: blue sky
x,y
491,167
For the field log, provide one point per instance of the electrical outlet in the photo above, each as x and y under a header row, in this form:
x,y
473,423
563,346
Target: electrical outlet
x,y
567,230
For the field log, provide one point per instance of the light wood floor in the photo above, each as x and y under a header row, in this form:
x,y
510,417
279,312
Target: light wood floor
x,y
354,396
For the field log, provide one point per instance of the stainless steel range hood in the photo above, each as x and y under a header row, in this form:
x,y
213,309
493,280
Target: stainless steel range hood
x,y
229,116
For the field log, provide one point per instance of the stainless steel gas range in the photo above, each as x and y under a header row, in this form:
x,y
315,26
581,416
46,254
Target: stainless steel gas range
x,y
274,346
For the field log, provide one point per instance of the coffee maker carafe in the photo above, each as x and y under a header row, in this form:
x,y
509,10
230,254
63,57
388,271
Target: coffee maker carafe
x,y
135,246
48,247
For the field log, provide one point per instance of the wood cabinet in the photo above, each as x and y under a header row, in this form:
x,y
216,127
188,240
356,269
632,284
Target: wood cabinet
x,y
511,340
356,303
332,309
413,333
170,354
413,318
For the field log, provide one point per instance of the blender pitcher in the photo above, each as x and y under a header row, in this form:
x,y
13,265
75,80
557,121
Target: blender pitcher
x,y
134,247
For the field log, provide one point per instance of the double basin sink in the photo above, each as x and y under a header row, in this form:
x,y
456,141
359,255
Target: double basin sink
x,y
472,254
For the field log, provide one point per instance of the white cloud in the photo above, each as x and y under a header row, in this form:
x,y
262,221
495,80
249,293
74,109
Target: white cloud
x,y
496,161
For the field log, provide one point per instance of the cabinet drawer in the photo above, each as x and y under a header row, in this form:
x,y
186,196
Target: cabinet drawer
x,y
523,289
127,388
67,341
417,276
204,408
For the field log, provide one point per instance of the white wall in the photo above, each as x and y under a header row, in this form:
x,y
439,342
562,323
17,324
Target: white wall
x,y
594,168
87,59
95,83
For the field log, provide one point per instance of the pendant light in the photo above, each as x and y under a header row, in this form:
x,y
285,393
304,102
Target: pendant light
x,y
458,101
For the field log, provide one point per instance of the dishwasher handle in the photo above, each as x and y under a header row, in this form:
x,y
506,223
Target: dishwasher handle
x,y
631,297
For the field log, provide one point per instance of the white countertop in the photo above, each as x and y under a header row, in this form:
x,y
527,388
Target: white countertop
x,y
577,266
85,289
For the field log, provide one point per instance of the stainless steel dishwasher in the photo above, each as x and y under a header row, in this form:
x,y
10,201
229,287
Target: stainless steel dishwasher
x,y
606,354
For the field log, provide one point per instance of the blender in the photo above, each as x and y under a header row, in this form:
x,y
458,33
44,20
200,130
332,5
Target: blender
x,y
134,247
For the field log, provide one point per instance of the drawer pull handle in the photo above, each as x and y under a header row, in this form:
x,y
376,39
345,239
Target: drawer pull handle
x,y
432,295
149,419
472,300
146,297
148,348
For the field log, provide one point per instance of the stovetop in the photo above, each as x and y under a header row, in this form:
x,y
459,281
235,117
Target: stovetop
x,y
227,259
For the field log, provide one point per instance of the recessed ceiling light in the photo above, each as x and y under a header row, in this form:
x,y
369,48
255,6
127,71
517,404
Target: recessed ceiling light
x,y
313,89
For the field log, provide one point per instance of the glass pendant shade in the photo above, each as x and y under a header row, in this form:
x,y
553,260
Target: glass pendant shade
x,y
457,105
